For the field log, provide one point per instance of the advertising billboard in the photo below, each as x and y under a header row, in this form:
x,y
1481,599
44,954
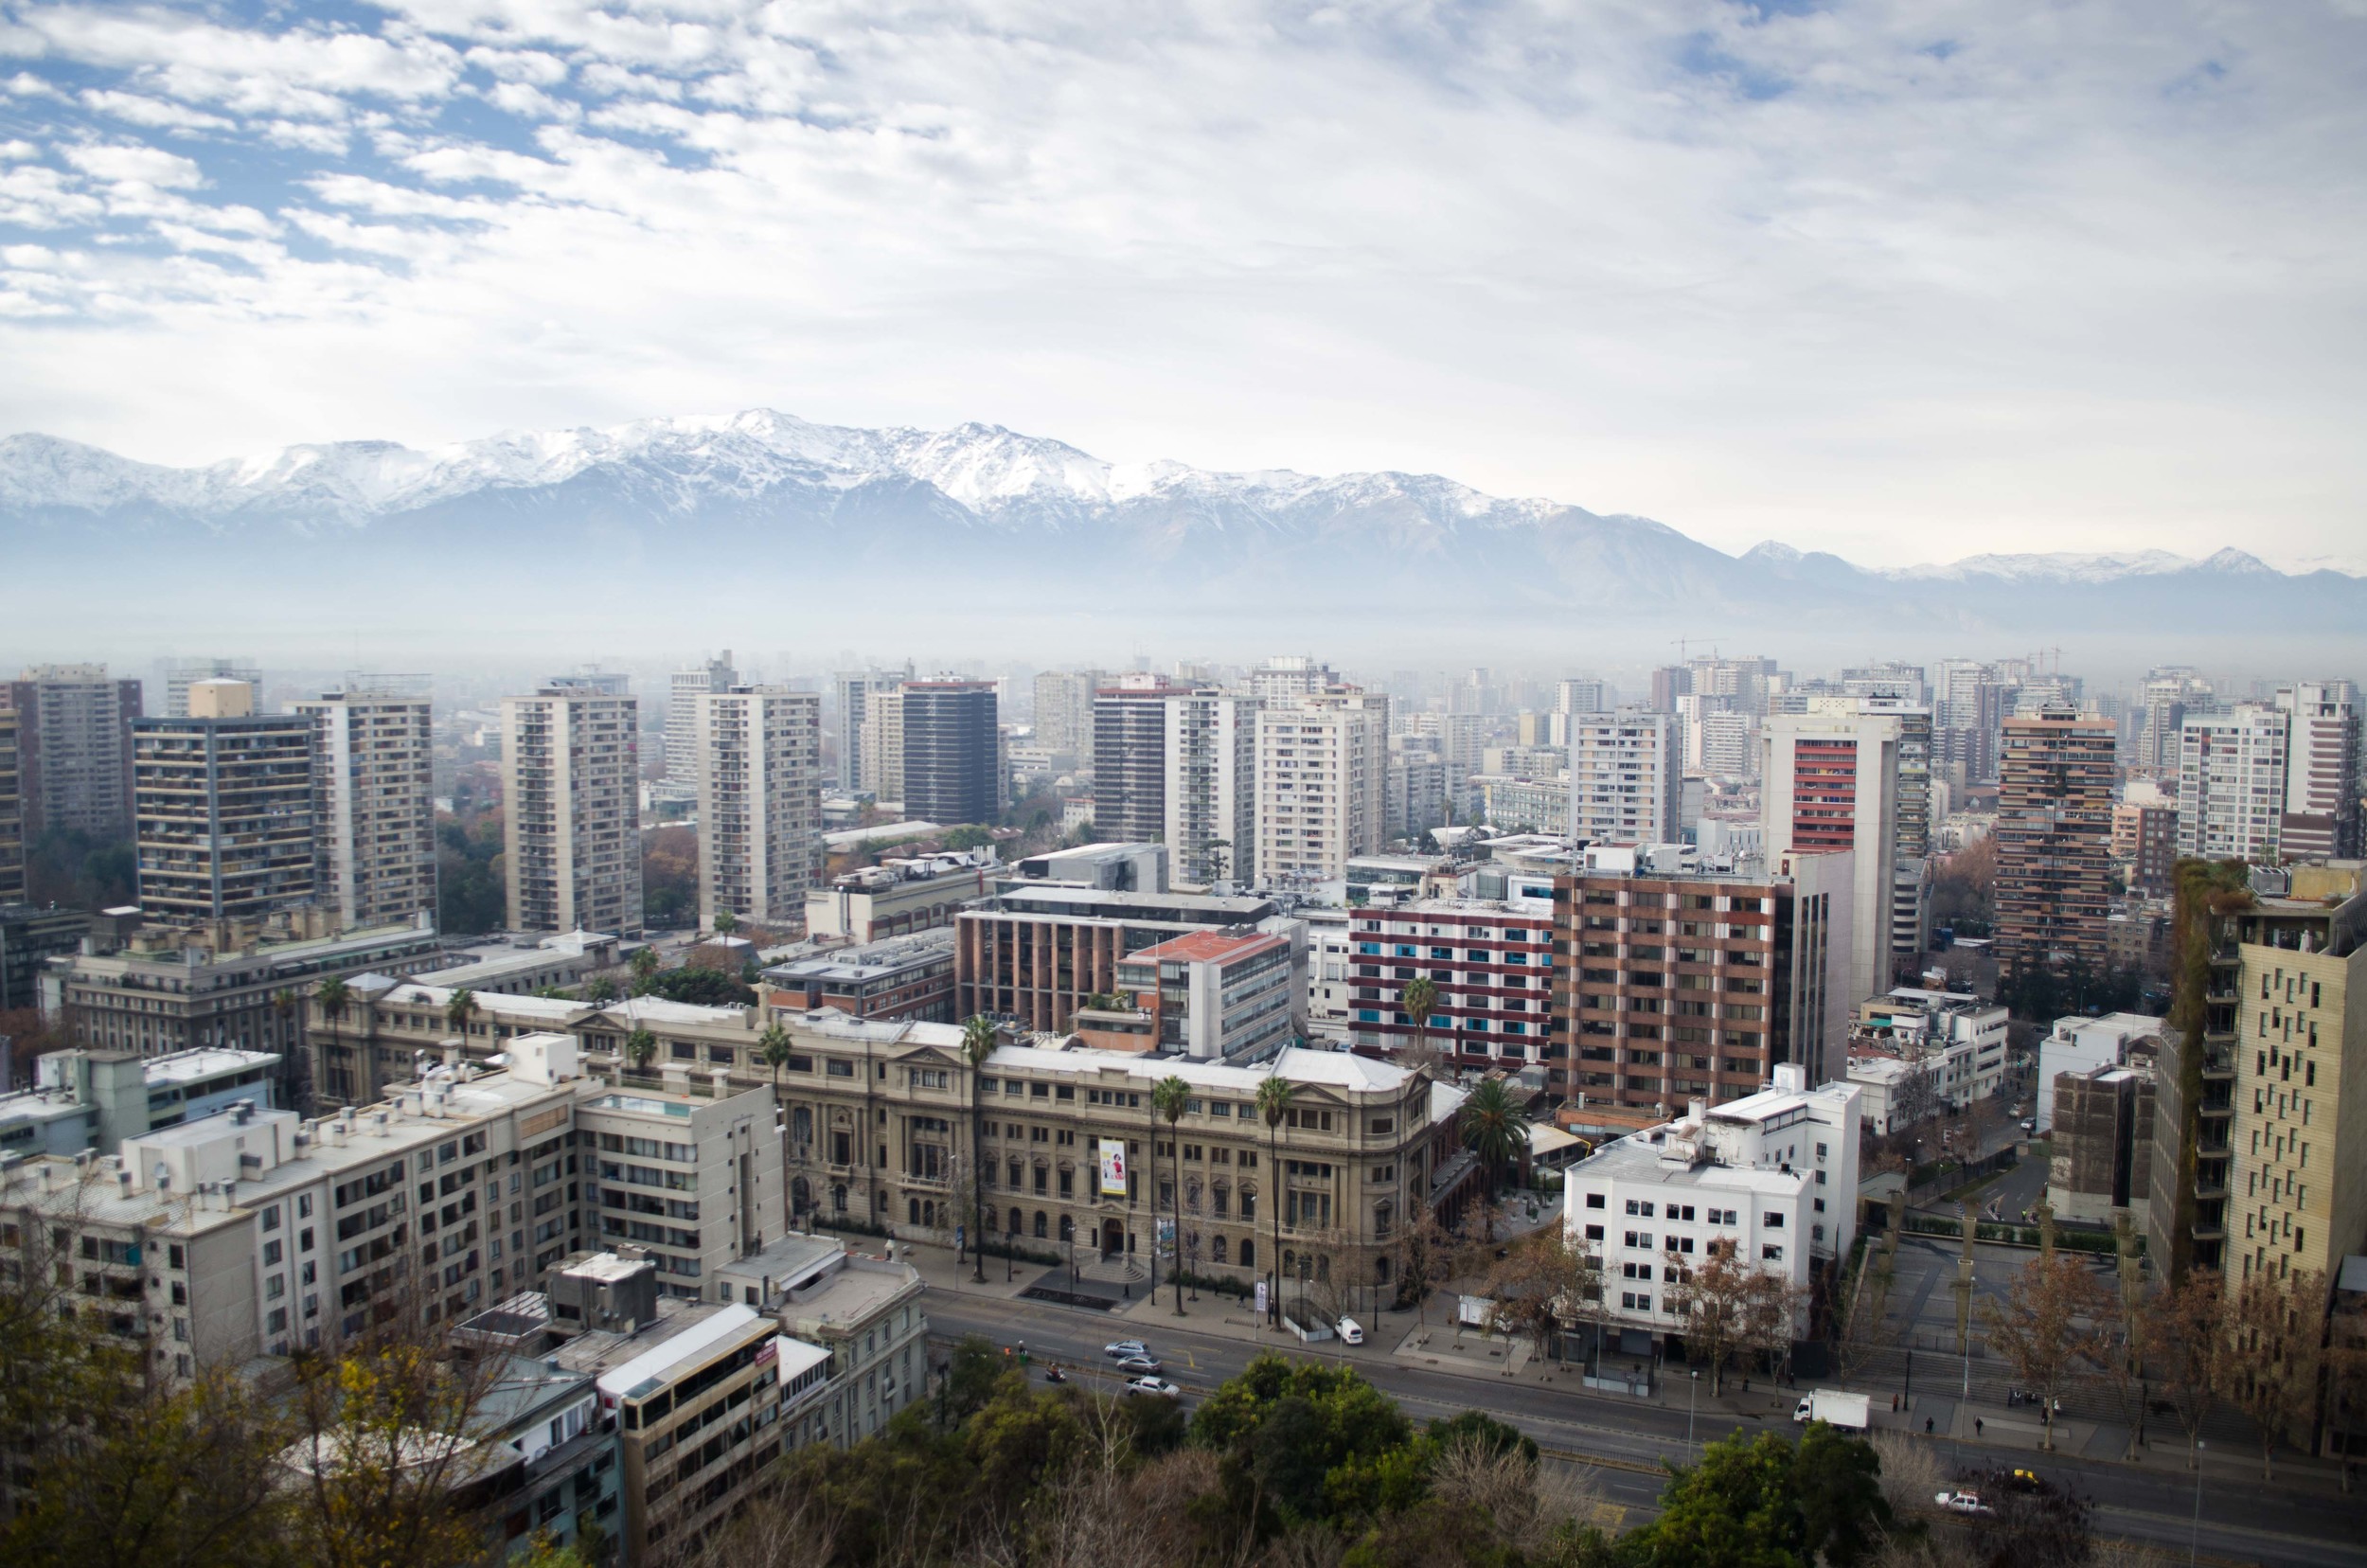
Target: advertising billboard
x,y
1114,1168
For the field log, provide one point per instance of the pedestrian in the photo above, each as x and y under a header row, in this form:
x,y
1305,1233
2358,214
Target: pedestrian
x,y
1976,1426
1927,1426
1894,1405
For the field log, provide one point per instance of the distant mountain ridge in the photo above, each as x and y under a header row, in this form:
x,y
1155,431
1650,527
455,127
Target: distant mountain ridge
x,y
831,507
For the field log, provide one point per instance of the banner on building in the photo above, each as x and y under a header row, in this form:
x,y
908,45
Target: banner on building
x,y
1114,1168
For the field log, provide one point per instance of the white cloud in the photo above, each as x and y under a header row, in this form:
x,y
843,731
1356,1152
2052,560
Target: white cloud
x,y
131,163
1901,279
161,113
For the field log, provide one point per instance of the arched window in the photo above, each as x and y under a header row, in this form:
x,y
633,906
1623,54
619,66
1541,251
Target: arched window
x,y
1191,1193
1043,1225
929,1214
1322,1268
1248,1253
838,1199
1381,1270
911,1210
1068,1228
1017,1223
1216,1250
800,1195
1289,1263
1384,1214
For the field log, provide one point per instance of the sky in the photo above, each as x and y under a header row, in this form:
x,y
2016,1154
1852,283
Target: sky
x,y
1905,281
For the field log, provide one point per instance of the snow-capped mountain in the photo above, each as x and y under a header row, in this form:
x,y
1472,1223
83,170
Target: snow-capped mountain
x,y
764,501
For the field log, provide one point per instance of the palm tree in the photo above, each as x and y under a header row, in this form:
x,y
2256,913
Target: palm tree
x,y
1274,1101
459,1011
772,1050
333,998
1494,1130
640,1046
726,922
644,967
1168,1099
1419,997
978,1044
599,991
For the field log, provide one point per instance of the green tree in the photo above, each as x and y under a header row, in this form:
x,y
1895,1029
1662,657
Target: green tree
x,y
1273,1103
772,1050
599,991
1168,1099
1418,997
978,1038
640,1046
645,971
1765,1502
726,922
1496,1131
459,1011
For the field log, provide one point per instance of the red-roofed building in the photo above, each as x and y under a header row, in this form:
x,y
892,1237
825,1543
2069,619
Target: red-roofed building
x,y
1215,994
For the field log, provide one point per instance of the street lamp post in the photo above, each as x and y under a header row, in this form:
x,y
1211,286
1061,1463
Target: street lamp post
x,y
2193,1539
1692,1400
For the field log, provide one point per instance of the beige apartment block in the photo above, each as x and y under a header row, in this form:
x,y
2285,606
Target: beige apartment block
x,y
374,797
572,824
1323,765
757,751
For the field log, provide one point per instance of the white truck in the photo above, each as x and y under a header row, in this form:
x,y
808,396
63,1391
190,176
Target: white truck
x,y
1834,1408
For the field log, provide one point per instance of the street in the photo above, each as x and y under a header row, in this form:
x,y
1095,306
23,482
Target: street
x,y
1630,1439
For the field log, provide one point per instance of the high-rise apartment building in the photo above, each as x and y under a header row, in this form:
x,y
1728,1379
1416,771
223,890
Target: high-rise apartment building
x,y
1829,784
571,763
374,799
1626,775
2055,776
74,748
1669,682
2232,782
1129,758
1064,712
1210,824
1289,676
683,690
1969,700
1582,694
952,750
1910,881
2321,771
759,782
222,808
1681,985
179,673
2169,695
1893,681
851,692
12,809
879,747
1322,763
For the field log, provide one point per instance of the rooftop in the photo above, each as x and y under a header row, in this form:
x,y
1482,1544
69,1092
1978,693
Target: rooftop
x,y
1332,1069
1207,947
1637,1160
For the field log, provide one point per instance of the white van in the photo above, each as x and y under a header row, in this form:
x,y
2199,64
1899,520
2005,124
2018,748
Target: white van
x,y
1351,1332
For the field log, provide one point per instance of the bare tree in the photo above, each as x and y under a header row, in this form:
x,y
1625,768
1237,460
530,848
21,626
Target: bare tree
x,y
2046,1330
1861,1311
2276,1333
1715,1299
2186,1340
1541,1283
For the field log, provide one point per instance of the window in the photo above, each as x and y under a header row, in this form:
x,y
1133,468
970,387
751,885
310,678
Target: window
x,y
1773,1254
838,1067
1774,1221
1595,1199
1594,1233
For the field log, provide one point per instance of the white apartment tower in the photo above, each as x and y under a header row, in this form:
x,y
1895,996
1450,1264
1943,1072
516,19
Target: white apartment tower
x,y
759,761
1321,770
571,757
1830,785
683,692
1625,777
851,689
2321,780
374,799
1211,793
1290,676
2231,783
1064,711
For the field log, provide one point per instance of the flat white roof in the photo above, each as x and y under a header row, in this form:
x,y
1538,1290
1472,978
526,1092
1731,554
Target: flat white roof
x,y
701,1335
206,1061
1340,1069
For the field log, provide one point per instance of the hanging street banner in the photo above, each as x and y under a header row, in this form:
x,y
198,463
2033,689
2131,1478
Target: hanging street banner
x,y
1114,1168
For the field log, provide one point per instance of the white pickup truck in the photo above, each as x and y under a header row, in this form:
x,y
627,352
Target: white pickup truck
x,y
1834,1408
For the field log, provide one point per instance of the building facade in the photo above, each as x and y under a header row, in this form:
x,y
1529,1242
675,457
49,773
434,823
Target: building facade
x,y
1674,986
2056,773
2321,771
11,808
1829,784
852,691
374,799
1625,777
571,830
2231,783
1492,963
757,751
683,690
1064,712
1210,789
951,751
1130,757
1321,770
222,808
74,743
896,978
1036,954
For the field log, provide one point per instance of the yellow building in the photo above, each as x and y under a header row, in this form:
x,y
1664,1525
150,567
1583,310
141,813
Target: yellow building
x,y
2297,1196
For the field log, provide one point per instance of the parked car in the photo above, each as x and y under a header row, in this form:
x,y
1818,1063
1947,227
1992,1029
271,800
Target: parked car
x,y
1126,1348
1142,1366
1962,1502
1153,1386
2029,1124
1351,1332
